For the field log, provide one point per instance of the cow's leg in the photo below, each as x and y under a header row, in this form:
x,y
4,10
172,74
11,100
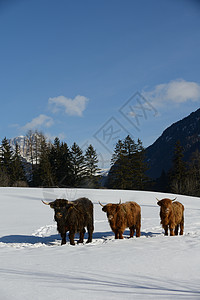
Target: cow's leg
x,y
132,231
62,230
176,229
81,238
138,233
116,234
63,236
90,230
138,226
121,234
166,230
71,238
182,226
171,229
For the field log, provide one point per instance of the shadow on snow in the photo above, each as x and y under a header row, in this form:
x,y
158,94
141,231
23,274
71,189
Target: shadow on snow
x,y
49,240
29,239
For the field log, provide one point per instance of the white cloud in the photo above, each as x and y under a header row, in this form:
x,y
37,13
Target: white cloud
x,y
72,107
41,120
177,91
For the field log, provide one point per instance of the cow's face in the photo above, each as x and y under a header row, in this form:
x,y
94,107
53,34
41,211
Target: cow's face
x,y
60,206
111,210
165,206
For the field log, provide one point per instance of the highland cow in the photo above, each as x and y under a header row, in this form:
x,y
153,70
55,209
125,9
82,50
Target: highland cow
x,y
172,216
122,216
73,216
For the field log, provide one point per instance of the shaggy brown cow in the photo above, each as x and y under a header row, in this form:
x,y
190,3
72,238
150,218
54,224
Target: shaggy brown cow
x,y
121,216
171,215
73,216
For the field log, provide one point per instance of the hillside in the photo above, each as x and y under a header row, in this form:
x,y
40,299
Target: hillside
x,y
160,153
34,265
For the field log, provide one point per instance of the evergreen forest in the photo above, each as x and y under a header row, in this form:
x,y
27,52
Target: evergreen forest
x,y
58,165
48,164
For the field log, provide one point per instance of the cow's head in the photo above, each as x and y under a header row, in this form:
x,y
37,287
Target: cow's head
x,y
61,208
111,209
165,206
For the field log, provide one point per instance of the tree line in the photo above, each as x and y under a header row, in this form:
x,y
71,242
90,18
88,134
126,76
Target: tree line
x,y
48,164
128,166
184,176
57,165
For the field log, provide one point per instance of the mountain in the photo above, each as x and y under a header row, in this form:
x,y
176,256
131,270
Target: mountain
x,y
160,154
22,143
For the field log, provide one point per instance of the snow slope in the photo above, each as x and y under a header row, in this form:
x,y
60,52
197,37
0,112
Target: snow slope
x,y
34,266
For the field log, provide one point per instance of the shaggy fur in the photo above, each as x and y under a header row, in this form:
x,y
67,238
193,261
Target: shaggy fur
x,y
172,216
122,216
73,217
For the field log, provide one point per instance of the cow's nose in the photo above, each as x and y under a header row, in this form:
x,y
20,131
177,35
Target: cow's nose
x,y
59,215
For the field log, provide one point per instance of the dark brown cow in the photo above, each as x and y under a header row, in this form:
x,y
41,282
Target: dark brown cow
x,y
171,215
122,216
73,216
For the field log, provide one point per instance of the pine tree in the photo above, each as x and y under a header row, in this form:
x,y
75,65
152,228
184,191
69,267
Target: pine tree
x,y
54,160
4,178
119,152
56,163
6,160
129,146
91,161
139,166
178,172
78,165
116,176
128,166
18,174
65,173
192,181
45,174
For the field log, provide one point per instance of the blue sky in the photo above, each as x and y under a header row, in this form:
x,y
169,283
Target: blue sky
x,y
95,71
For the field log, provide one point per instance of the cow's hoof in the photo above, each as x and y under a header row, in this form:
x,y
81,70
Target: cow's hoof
x,y
79,241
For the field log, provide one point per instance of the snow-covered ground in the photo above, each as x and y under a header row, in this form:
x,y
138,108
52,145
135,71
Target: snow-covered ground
x,y
33,264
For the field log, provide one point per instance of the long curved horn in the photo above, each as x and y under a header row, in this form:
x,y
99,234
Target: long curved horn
x,y
101,204
174,199
157,199
46,203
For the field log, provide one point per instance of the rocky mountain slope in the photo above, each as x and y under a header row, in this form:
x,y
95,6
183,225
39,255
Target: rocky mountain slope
x,y
160,153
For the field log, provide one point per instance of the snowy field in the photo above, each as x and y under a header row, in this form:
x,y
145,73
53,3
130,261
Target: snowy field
x,y
33,264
